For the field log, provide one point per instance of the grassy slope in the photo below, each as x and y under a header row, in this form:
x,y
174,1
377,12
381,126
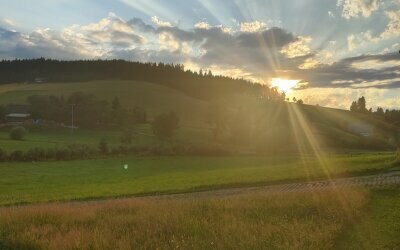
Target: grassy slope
x,y
330,124
154,98
27,182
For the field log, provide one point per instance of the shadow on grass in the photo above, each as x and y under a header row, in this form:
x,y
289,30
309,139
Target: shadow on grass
x,y
6,245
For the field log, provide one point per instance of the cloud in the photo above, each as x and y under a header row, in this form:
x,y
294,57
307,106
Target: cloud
x,y
393,27
160,23
202,25
365,71
253,27
355,41
300,47
357,8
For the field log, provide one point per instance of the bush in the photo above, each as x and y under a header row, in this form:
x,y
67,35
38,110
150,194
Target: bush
x,y
103,147
17,155
127,137
63,154
3,155
18,133
36,154
80,151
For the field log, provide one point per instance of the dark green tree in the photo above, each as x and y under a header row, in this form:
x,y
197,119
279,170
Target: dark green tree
x,y
165,125
354,107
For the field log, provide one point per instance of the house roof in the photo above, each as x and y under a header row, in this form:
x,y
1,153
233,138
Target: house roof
x,y
14,115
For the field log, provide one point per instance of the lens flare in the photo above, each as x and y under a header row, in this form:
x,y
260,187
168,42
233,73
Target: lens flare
x,y
284,85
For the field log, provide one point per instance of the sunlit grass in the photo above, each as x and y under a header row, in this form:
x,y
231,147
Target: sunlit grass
x,y
251,221
49,181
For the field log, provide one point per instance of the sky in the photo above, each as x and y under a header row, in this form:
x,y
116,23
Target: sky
x,y
332,51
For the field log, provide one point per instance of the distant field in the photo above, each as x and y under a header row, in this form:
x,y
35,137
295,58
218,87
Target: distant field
x,y
142,136
49,181
346,219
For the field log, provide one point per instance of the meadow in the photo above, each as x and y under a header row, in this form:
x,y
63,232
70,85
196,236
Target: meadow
x,y
104,178
331,219
142,135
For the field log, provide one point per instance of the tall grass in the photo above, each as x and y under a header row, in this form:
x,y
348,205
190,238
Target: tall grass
x,y
251,221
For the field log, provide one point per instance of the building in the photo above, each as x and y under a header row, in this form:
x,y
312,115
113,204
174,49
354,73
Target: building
x,y
362,129
17,114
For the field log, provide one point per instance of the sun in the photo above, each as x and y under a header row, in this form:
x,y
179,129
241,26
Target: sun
x,y
284,85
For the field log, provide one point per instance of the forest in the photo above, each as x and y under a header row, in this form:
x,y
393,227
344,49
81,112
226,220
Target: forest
x,y
201,84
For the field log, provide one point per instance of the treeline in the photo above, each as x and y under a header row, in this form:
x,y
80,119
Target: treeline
x,y
83,151
85,109
201,84
390,116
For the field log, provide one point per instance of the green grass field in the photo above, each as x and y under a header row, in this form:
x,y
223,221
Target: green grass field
x,y
142,136
101,178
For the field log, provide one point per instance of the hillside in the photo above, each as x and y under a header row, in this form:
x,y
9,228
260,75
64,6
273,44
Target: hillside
x,y
249,122
154,98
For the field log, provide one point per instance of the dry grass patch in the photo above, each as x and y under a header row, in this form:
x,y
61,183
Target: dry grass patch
x,y
252,221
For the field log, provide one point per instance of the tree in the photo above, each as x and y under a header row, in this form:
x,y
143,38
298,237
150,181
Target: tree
x,y
300,101
165,125
2,114
18,133
218,115
380,112
359,106
116,105
354,107
362,105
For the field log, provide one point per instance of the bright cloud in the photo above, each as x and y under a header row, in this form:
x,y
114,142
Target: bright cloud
x,y
357,8
252,27
202,25
355,41
160,23
300,47
393,27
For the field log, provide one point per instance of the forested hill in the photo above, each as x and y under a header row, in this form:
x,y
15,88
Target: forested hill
x,y
202,85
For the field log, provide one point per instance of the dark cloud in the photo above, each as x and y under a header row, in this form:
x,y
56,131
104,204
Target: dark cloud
x,y
345,74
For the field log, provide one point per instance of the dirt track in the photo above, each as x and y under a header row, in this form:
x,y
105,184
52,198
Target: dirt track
x,y
373,181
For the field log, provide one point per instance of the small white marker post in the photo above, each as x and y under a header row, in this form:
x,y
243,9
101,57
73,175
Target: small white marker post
x,y
126,166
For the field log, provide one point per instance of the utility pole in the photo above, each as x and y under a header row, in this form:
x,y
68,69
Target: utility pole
x,y
72,118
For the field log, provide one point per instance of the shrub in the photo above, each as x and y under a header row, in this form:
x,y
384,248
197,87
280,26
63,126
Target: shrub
x,y
36,154
18,133
17,155
127,137
103,147
3,155
80,151
63,154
